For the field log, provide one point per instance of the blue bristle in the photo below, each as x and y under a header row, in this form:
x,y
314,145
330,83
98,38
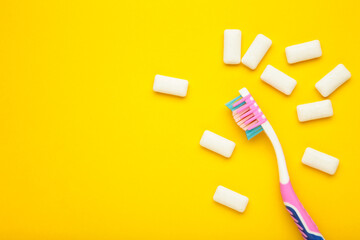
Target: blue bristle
x,y
229,104
249,133
253,132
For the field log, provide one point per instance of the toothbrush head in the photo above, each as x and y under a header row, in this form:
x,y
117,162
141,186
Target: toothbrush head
x,y
247,113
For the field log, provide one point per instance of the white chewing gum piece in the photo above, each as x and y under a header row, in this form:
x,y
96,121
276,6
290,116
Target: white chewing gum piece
x,y
232,46
230,199
217,143
170,85
278,80
334,79
256,51
320,161
315,110
303,51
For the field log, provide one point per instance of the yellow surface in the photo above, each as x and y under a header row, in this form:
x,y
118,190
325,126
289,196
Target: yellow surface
x,y
89,151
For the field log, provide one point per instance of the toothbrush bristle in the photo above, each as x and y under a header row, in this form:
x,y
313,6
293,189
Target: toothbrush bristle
x,y
247,115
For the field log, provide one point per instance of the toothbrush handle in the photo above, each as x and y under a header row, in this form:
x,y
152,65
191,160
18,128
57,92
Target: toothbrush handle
x,y
302,219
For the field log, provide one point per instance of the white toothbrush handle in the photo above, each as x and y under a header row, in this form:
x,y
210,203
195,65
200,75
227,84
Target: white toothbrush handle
x,y
283,172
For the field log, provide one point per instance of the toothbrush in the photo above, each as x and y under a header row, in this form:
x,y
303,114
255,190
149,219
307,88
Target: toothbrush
x,y
250,118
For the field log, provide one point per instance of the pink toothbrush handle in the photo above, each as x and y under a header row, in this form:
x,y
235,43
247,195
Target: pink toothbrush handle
x,y
302,219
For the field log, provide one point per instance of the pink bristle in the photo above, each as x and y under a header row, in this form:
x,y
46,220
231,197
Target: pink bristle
x,y
250,111
241,114
243,120
261,121
241,100
247,127
249,115
253,118
243,107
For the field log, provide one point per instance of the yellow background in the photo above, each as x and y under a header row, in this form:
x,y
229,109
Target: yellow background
x,y
89,151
